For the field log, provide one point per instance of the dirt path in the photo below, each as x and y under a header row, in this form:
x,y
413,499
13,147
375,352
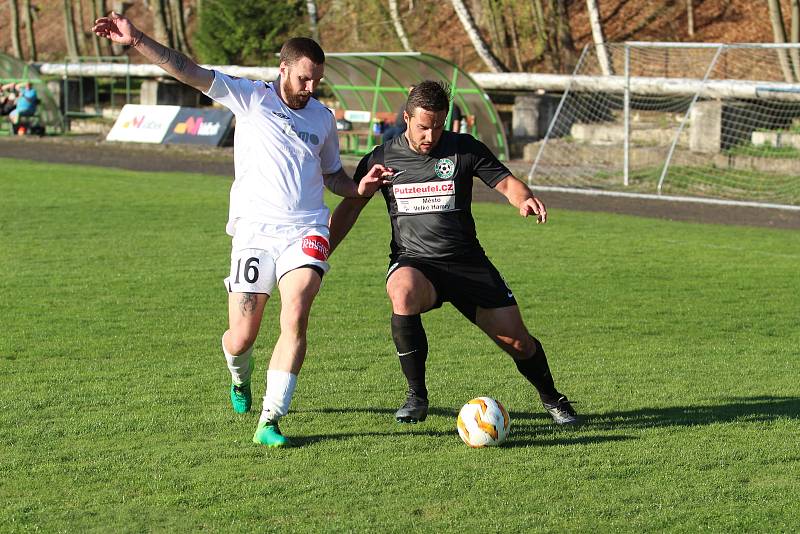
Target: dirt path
x,y
219,161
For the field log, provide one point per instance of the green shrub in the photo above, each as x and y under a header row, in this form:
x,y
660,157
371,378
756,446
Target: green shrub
x,y
247,32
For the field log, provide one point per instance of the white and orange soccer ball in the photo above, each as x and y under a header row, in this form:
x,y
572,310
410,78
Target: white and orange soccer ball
x,y
483,422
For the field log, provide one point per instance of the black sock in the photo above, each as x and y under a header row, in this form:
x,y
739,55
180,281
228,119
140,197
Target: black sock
x,y
536,370
412,349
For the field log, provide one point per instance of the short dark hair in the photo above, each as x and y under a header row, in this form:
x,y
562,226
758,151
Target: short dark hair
x,y
430,95
297,48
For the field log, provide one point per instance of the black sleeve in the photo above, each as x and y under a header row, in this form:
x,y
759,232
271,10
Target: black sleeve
x,y
484,164
363,168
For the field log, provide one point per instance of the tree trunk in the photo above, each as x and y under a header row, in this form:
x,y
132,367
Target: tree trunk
x,y
508,14
313,20
690,17
795,36
160,28
496,29
26,5
69,27
80,30
99,10
95,39
475,37
178,26
398,26
779,34
15,40
597,35
566,46
542,44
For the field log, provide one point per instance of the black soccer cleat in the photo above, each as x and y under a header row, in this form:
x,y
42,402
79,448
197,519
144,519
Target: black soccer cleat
x,y
562,411
413,411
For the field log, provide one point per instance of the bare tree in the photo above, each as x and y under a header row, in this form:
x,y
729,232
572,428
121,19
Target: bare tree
x,y
80,30
15,41
565,46
69,27
103,48
161,31
475,37
597,35
508,14
794,36
690,17
398,26
313,19
779,35
178,25
28,14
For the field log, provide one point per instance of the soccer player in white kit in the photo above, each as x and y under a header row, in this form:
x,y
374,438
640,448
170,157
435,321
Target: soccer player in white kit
x,y
285,148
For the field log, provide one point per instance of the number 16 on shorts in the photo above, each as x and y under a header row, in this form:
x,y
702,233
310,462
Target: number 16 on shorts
x,y
252,271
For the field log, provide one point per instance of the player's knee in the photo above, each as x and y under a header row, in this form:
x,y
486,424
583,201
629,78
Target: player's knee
x,y
239,341
405,300
518,347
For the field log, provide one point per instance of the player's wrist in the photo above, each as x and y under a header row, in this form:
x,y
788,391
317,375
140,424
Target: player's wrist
x,y
136,38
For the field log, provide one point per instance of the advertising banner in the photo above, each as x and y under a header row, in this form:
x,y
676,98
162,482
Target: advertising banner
x,y
142,124
196,126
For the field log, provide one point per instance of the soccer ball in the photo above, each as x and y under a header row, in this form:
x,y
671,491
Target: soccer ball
x,y
483,422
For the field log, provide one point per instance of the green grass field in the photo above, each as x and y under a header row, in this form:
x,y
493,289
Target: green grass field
x,y
680,342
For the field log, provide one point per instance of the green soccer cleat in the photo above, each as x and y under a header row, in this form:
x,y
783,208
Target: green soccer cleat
x,y
270,435
241,398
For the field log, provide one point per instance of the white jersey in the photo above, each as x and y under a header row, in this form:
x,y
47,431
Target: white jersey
x,y
280,154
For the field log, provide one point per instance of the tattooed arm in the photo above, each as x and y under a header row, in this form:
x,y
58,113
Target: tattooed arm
x,y
121,30
340,184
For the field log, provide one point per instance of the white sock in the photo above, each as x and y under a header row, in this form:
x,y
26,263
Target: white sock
x,y
280,388
240,365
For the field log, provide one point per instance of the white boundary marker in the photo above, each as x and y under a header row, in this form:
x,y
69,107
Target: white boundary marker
x,y
667,198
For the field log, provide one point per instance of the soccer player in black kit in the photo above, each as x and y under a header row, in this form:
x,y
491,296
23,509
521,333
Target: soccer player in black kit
x,y
435,254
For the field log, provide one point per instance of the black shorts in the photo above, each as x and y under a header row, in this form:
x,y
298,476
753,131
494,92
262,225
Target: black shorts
x,y
467,285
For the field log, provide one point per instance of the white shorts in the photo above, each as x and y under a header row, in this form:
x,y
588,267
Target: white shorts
x,y
262,253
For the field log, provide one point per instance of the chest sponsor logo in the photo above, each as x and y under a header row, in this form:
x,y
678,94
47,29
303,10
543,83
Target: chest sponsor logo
x,y
309,138
316,246
425,197
445,168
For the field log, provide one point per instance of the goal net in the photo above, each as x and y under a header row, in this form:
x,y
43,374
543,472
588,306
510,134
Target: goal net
x,y
695,121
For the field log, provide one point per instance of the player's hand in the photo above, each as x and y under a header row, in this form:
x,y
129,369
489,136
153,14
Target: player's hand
x,y
534,206
376,178
117,28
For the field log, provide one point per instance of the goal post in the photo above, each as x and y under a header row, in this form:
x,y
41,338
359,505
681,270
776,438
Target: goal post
x,y
693,121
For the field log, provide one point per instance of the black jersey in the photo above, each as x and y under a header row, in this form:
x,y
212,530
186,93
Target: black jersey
x,y
430,203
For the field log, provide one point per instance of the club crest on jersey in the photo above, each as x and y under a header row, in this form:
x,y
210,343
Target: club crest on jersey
x,y
316,246
445,168
281,115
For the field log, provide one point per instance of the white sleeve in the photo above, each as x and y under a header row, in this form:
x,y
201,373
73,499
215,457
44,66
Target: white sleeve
x,y
329,153
236,94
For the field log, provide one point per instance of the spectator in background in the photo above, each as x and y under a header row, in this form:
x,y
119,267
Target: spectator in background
x,y
458,123
26,101
8,98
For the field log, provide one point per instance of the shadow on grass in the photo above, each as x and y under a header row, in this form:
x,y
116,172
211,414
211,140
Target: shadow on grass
x,y
525,433
522,435
735,409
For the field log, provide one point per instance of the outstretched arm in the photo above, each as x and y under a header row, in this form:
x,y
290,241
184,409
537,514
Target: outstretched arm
x,y
120,30
340,184
520,196
344,217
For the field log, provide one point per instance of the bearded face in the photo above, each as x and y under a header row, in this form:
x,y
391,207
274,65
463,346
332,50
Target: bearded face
x,y
299,80
424,129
